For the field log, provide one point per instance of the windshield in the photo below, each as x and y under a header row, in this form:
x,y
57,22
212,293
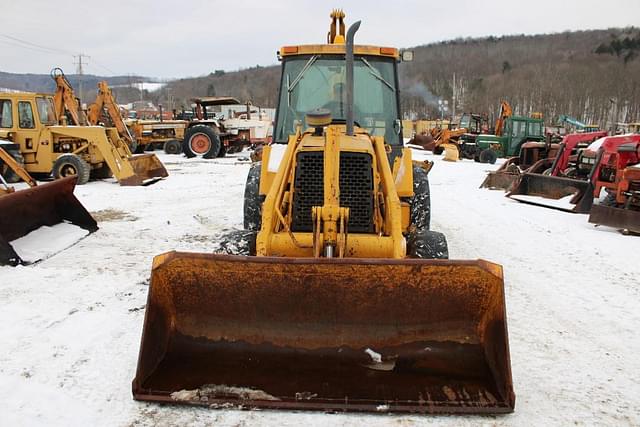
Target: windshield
x,y
45,111
311,82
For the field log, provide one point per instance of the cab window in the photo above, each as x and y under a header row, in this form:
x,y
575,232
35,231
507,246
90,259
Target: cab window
x,y
25,115
6,114
45,110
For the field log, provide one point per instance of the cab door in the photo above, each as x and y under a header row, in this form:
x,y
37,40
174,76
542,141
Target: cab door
x,y
27,134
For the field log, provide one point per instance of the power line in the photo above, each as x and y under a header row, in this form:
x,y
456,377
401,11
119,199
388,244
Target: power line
x,y
52,49
29,48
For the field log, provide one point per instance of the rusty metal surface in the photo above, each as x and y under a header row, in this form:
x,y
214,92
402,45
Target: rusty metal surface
x,y
623,219
303,333
500,180
147,169
46,204
545,187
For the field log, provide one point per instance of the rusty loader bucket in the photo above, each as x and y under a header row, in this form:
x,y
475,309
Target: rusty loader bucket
x,y
504,177
623,219
326,334
567,194
144,169
47,204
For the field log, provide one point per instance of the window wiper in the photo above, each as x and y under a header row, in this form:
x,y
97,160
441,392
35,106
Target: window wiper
x,y
304,70
375,73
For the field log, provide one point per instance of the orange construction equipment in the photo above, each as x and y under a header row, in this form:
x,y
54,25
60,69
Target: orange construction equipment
x,y
597,167
621,178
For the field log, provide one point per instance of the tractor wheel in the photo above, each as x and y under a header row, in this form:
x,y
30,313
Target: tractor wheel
x,y
202,141
71,164
173,147
420,203
9,174
237,242
103,172
252,199
609,200
488,156
427,244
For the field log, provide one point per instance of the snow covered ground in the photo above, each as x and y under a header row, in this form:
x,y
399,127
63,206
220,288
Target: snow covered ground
x,y
71,324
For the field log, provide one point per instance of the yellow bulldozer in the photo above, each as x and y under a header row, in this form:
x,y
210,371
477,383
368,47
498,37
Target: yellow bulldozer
x,y
344,299
24,211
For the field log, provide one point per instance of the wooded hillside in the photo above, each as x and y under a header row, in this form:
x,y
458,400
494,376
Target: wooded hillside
x,y
593,76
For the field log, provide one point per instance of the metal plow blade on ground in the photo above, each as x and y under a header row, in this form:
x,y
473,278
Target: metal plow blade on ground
x,y
622,219
47,204
146,169
567,194
316,334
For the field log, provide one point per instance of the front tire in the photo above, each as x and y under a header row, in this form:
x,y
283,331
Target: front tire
x,y
488,156
201,141
427,244
252,199
71,165
420,203
172,147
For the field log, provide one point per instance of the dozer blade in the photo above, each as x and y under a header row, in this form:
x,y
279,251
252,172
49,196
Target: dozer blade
x,y
500,180
623,219
567,194
326,334
47,204
147,169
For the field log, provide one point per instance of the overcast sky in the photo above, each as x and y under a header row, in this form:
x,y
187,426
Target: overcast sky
x,y
191,38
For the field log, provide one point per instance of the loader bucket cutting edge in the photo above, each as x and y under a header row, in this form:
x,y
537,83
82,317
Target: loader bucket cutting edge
x,y
341,334
147,169
566,194
47,204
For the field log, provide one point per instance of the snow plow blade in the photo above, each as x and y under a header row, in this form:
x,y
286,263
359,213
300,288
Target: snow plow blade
x,y
48,204
326,334
566,194
146,169
622,219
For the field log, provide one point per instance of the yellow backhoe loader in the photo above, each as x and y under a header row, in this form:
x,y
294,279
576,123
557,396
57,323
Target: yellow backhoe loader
x,y
139,134
346,300
24,211
61,140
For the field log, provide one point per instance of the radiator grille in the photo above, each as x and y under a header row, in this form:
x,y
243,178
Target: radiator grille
x,y
356,189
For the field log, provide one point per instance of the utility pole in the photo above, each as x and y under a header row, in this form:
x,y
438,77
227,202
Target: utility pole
x,y
453,100
80,71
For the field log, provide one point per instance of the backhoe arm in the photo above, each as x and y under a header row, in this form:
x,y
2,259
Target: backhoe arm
x,y
65,100
105,99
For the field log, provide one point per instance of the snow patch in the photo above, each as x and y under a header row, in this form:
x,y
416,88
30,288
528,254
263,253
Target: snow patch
x,y
46,241
563,203
220,391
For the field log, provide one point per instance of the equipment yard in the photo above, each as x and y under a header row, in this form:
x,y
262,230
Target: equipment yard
x,y
72,323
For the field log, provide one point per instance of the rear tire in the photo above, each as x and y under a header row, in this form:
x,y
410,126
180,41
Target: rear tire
x,y
173,147
202,141
427,244
9,174
488,156
252,199
420,203
69,165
